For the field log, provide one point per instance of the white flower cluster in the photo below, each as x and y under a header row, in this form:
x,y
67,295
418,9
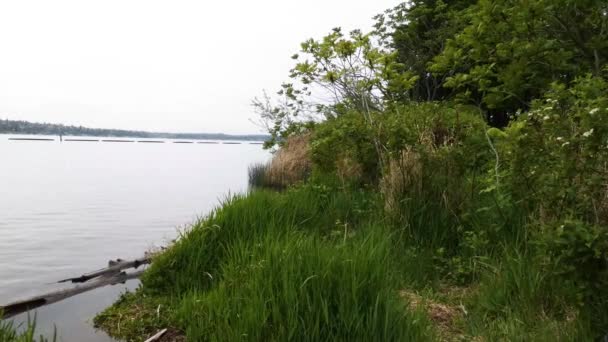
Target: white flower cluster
x,y
588,133
564,144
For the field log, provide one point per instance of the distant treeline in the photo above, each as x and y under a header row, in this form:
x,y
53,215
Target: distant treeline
x,y
26,127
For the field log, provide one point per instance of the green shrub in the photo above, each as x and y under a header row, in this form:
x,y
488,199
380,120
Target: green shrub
x,y
557,154
347,137
578,253
437,156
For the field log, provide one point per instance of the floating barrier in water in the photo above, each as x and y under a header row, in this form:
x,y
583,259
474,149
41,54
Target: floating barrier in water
x,y
87,140
32,139
138,141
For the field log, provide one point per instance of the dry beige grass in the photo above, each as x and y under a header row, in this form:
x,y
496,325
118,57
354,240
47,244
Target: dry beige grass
x,y
402,174
348,169
445,317
291,163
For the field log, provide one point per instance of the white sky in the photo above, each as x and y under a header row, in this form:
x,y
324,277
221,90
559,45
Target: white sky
x,y
179,66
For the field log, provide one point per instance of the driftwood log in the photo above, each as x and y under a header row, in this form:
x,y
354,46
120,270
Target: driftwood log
x,y
114,266
157,336
111,275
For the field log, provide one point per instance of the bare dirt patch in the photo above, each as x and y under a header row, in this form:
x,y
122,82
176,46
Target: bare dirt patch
x,y
444,316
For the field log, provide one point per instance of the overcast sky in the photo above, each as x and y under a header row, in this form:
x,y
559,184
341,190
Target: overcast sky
x,y
181,66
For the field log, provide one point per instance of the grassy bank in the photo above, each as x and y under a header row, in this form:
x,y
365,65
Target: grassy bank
x,y
451,183
451,231
270,266
324,262
455,231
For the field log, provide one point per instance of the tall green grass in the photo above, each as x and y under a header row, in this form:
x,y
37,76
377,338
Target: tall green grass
x,y
9,332
321,262
299,288
258,176
518,299
314,209
308,264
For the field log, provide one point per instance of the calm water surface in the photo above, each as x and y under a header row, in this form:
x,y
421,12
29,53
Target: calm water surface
x,y
67,208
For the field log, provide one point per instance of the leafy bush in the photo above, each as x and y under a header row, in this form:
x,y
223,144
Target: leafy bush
x,y
557,154
436,153
555,171
577,252
344,143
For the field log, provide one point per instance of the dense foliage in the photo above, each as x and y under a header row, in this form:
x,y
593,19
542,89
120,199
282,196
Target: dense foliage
x,y
483,124
458,165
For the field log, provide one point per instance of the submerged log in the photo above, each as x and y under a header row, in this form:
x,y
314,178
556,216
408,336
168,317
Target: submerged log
x,y
111,275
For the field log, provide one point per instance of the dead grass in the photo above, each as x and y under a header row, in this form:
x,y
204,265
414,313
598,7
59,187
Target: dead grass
x,y
348,169
173,335
402,175
291,163
133,317
447,318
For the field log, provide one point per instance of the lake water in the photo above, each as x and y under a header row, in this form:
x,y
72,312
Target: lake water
x,y
66,208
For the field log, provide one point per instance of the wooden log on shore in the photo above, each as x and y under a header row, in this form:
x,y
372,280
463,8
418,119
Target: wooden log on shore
x,y
111,275
22,306
157,336
114,267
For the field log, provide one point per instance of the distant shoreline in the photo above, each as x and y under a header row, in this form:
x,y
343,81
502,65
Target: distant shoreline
x,y
19,127
122,139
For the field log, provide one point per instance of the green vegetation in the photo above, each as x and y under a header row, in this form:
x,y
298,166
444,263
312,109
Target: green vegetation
x,y
456,188
11,333
275,265
26,127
